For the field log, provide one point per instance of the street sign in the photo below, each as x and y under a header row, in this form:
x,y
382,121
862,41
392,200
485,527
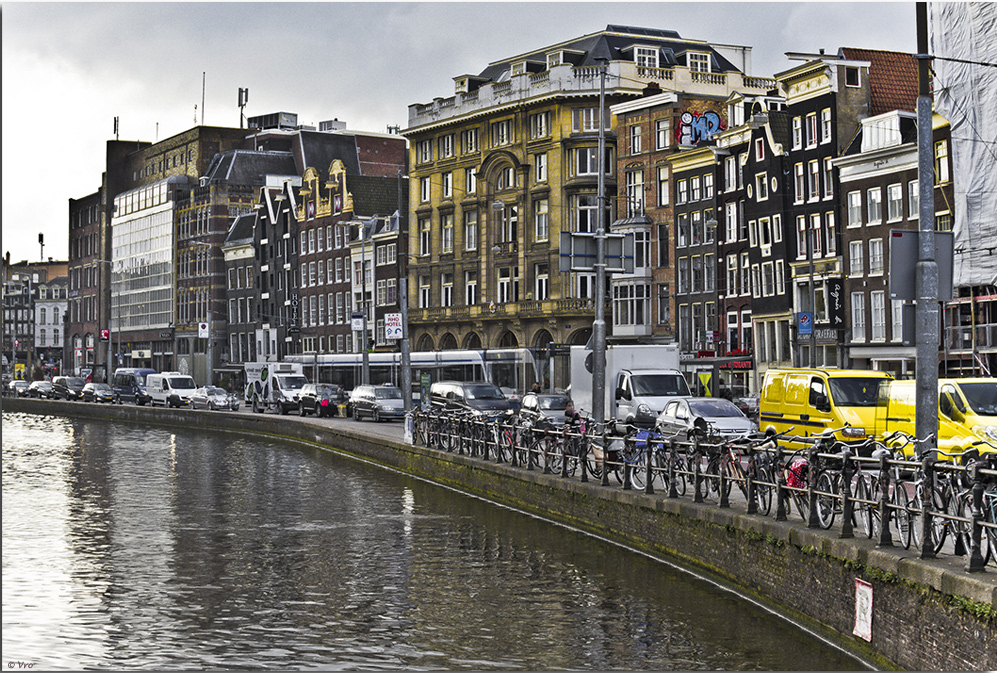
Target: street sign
x,y
105,334
903,253
393,325
805,323
357,321
578,252
202,330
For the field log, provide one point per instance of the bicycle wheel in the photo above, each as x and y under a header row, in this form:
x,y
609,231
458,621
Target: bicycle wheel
x,y
989,502
940,526
902,517
827,498
958,507
764,490
866,506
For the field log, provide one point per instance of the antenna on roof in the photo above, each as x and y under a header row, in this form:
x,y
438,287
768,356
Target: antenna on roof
x,y
244,95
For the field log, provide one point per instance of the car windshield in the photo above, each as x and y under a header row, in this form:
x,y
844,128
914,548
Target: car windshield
x,y
182,383
659,385
214,391
326,389
855,391
388,393
291,381
484,391
716,408
981,396
553,402
102,388
75,382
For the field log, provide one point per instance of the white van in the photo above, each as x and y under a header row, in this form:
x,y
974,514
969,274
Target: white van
x,y
171,389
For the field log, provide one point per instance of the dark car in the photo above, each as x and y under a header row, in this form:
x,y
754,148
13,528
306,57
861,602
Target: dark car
x,y
537,408
479,398
376,402
18,388
318,399
68,387
129,385
98,392
40,389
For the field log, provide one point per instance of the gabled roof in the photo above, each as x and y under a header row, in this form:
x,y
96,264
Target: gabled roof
x,y
318,149
249,167
241,229
894,78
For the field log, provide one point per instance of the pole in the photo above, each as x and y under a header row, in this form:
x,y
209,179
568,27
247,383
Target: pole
x,y
365,373
927,273
599,325
407,369
210,361
809,232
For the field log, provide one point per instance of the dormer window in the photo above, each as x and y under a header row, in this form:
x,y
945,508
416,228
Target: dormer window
x,y
461,85
554,59
698,61
646,57
518,68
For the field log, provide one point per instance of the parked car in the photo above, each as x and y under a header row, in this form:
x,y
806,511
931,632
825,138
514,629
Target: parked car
x,y
68,387
709,417
747,402
129,384
18,388
540,407
98,392
377,402
318,399
478,398
212,398
40,389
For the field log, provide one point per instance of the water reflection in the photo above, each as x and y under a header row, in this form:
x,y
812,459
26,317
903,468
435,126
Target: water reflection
x,y
142,548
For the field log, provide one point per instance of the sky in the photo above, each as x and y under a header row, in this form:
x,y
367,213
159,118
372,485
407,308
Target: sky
x,y
68,69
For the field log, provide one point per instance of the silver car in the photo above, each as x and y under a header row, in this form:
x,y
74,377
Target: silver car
x,y
212,397
708,417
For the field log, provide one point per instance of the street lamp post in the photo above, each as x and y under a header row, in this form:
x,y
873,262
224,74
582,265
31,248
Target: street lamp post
x,y
365,366
110,316
599,324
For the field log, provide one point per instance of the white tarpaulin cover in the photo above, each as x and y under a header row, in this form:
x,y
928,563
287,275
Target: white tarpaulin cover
x,y
966,94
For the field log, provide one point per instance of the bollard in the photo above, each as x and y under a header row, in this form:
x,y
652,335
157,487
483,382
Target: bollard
x,y
926,543
813,477
781,514
752,506
648,465
976,563
671,469
697,469
884,539
847,530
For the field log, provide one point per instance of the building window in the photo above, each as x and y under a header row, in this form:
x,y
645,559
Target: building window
x,y
508,225
760,146
424,227
940,166
541,220
731,275
470,183
802,237
470,140
856,258
663,172
811,130
874,205
698,62
424,190
799,183
586,213
826,125
447,289
540,167
587,119
662,134
424,151
796,133
540,125
682,230
830,234
895,202
914,199
471,232
635,138
813,180
695,188
709,185
502,132
681,191
761,186
683,275
744,273
586,161
852,76
447,233
446,185
876,257
635,190
878,316
827,181
731,222
731,170
646,57
471,288
506,288
446,146
896,320
540,281
854,212
424,292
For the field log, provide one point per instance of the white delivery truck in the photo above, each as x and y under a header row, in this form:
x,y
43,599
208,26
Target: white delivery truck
x,y
171,389
639,380
273,385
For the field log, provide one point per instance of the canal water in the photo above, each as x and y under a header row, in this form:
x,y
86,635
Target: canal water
x,y
142,548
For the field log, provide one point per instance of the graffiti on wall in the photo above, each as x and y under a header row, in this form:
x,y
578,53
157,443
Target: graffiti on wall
x,y
697,126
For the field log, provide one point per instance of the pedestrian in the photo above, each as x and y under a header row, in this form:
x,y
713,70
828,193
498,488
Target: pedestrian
x,y
536,388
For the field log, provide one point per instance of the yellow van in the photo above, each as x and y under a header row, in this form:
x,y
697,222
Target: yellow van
x,y
967,413
814,400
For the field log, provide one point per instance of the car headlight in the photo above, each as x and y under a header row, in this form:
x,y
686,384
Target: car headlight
x,y
853,432
645,410
386,407
986,431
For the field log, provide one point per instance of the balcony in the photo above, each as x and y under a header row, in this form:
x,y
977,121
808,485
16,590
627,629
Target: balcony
x,y
567,79
558,308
